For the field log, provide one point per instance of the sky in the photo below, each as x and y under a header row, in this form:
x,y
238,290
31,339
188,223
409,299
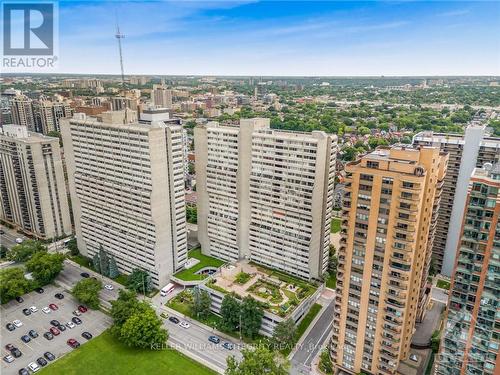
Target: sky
x,y
325,38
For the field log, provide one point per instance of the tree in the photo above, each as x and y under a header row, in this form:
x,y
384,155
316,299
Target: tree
x,y
332,260
201,303
13,284
113,268
259,360
284,334
45,267
251,317
191,215
435,341
103,262
230,311
23,251
143,330
87,291
3,251
73,247
325,362
124,306
96,262
140,281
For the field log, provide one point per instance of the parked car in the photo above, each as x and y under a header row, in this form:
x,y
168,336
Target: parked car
x,y
55,322
8,358
34,367
84,274
228,346
39,290
49,356
77,313
70,325
25,338
48,335
87,335
109,287
73,343
82,309
59,295
61,327
53,306
174,320
42,361
20,299
46,310
76,320
16,353
17,323
54,331
26,312
23,371
10,327
33,333
19,240
214,339
33,309
184,324
9,347
2,231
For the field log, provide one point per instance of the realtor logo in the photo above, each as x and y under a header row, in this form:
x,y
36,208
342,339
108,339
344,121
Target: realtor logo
x,y
30,36
28,29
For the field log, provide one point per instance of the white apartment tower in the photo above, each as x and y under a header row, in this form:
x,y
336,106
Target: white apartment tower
x,y
127,188
265,195
161,96
21,108
33,193
466,152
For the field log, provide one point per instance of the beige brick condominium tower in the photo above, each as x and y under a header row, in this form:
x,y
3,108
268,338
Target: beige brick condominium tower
x,y
265,195
384,256
127,189
33,193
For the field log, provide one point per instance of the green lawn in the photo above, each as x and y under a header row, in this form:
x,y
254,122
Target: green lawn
x,y
105,355
335,225
443,284
205,261
331,282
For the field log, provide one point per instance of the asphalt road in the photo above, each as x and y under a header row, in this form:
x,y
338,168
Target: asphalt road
x,y
313,343
8,239
440,295
92,321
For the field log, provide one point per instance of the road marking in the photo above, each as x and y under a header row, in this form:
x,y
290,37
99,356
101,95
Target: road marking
x,y
327,331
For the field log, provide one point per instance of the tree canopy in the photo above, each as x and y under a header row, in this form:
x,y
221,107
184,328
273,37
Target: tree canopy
x,y
87,291
259,360
45,267
13,284
23,251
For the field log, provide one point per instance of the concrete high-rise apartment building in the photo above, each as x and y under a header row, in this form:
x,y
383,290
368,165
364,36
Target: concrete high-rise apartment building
x,y
127,188
471,338
33,193
44,116
265,195
465,152
21,108
384,255
161,96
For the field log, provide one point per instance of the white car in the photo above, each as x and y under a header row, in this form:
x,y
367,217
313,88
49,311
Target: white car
x,y
17,323
70,325
34,367
184,325
8,358
46,310
33,309
109,287
19,240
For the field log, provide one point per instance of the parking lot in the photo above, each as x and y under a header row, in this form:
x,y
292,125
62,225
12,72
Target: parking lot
x,y
94,322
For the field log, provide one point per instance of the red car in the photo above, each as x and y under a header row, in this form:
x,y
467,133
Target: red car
x,y
9,347
73,343
82,308
54,331
53,306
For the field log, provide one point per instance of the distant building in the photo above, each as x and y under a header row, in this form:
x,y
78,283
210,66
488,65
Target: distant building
x,y
22,112
471,340
465,153
127,188
161,96
32,187
265,195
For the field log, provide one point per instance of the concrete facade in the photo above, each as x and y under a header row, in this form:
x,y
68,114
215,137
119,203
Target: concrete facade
x,y
127,189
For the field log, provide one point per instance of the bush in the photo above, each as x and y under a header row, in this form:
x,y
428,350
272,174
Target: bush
x,y
242,277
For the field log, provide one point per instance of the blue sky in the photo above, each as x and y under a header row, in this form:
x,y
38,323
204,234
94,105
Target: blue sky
x,y
282,38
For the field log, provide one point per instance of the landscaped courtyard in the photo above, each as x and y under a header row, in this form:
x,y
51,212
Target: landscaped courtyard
x,y
278,293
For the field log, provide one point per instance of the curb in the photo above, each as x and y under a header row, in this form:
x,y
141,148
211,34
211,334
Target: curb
x,y
306,332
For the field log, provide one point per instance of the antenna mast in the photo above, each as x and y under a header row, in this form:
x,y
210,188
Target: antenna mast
x,y
119,36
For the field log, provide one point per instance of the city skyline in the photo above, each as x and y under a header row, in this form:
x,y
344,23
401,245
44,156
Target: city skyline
x,y
268,38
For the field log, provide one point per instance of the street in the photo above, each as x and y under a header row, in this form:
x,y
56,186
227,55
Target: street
x,y
8,238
